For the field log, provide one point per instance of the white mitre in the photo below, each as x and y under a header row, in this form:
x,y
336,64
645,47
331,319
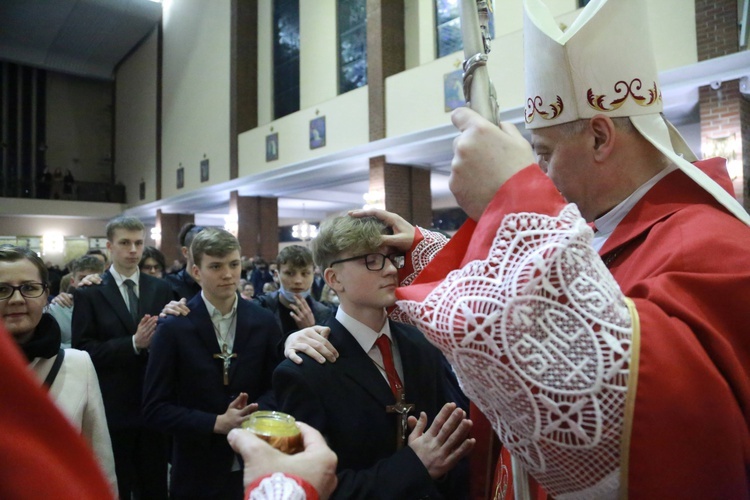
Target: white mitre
x,y
604,64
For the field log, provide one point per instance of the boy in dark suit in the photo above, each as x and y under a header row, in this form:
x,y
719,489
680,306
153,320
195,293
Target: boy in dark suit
x,y
114,322
385,371
293,305
204,368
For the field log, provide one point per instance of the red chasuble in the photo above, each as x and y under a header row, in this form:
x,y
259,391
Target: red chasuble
x,y
685,263
41,454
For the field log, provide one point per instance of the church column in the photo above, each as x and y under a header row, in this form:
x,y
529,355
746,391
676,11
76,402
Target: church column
x,y
385,56
722,103
257,220
243,105
168,226
402,189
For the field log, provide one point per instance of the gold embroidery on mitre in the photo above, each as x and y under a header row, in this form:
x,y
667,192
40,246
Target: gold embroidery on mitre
x,y
533,106
622,91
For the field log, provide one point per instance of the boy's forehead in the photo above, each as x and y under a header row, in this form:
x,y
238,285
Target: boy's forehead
x,y
234,255
127,234
288,266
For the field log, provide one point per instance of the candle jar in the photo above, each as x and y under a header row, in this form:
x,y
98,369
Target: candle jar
x,y
278,429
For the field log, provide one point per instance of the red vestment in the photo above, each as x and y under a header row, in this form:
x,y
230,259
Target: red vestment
x,y
41,454
685,263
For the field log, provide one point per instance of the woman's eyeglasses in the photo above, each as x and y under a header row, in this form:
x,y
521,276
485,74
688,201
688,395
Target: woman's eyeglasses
x,y
28,290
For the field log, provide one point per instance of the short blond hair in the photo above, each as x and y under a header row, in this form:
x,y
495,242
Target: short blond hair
x,y
346,234
214,242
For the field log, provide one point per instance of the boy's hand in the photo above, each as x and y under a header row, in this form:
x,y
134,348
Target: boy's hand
x,y
237,411
175,308
312,341
91,279
446,441
301,313
63,299
145,331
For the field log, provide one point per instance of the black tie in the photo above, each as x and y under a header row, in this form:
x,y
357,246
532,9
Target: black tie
x,y
132,300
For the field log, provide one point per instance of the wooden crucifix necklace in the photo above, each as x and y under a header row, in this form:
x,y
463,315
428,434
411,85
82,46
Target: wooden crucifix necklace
x,y
402,409
225,356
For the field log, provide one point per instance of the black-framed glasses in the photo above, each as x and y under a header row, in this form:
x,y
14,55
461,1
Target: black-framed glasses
x,y
376,261
28,290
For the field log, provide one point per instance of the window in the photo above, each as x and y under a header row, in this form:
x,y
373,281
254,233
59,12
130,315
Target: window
x,y
352,30
448,20
285,57
448,26
582,3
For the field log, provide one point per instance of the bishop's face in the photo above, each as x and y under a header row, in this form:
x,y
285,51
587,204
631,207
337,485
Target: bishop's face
x,y
565,159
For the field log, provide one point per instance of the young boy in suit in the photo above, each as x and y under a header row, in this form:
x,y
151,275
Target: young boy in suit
x,y
292,305
114,322
386,376
209,370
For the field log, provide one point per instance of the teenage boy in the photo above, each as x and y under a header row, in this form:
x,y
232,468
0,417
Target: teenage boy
x,y
63,311
292,305
182,282
385,371
209,370
114,322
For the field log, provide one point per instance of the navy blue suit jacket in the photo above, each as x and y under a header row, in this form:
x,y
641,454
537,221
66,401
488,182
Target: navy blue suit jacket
x,y
346,401
184,389
103,327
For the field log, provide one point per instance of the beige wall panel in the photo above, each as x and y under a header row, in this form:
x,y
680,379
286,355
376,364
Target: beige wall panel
x,y
195,100
318,53
135,122
346,127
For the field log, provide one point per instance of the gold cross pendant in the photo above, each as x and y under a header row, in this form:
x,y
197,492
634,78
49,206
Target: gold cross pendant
x,y
226,357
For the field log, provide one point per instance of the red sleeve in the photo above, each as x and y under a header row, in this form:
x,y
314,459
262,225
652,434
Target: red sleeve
x,y
473,239
41,454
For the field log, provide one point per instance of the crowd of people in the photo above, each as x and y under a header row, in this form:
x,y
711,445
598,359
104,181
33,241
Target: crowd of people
x,y
590,317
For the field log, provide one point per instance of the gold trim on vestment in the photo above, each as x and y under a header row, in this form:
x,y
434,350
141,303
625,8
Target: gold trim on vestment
x,y
627,423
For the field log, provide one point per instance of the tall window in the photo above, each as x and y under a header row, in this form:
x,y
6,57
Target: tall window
x,y
352,31
447,17
285,57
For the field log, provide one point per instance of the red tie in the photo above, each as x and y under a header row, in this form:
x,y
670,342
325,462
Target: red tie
x,y
384,344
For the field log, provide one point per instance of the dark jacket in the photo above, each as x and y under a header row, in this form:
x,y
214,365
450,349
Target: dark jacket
x,y
103,327
183,285
184,389
270,301
346,401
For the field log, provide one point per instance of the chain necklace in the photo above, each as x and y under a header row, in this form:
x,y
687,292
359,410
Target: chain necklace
x,y
223,338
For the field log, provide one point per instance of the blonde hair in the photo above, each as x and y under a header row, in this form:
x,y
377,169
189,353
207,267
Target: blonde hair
x,y
346,234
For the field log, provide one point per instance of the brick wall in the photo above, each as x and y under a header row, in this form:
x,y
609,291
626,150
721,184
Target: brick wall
x,y
716,25
406,190
721,109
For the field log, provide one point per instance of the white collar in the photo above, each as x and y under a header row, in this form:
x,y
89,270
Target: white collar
x,y
120,279
363,334
606,224
213,312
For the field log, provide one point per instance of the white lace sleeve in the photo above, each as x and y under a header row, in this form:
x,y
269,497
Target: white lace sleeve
x,y
278,487
423,253
539,334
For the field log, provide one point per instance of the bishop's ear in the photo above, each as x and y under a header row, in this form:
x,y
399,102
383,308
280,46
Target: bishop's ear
x,y
604,131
